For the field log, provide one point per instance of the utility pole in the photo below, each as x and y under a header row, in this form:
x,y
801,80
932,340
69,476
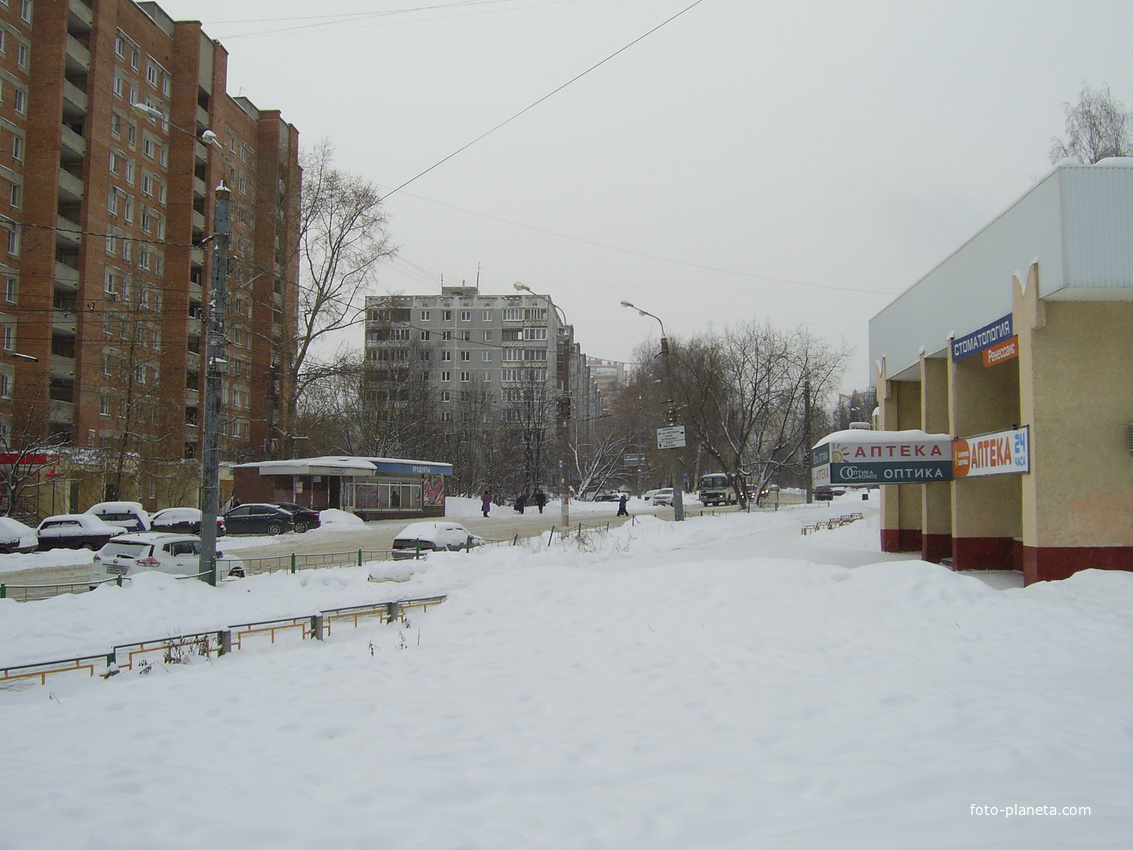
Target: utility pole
x,y
216,366
675,460
564,425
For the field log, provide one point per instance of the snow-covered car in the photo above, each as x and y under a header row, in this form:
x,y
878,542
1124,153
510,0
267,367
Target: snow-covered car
x,y
128,515
75,531
662,497
183,520
16,537
176,554
432,537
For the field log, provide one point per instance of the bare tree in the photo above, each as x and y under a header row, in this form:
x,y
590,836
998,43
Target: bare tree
x,y
342,239
745,394
1098,126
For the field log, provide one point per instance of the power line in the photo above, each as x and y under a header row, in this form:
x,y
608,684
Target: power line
x,y
549,94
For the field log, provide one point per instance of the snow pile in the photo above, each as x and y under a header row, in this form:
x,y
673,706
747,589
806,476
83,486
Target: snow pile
x,y
725,682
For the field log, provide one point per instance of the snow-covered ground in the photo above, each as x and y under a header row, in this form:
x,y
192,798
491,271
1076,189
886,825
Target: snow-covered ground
x,y
719,683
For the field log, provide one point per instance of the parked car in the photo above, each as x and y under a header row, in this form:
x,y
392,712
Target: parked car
x,y
607,496
183,520
662,497
176,554
302,518
75,531
825,494
258,518
16,537
128,515
433,536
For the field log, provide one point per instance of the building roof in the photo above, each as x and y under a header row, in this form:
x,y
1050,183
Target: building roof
x,y
348,465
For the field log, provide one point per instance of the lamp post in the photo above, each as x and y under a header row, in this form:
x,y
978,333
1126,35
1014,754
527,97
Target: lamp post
x,y
675,459
216,355
563,347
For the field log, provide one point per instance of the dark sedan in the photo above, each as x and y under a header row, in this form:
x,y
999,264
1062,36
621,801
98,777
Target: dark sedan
x,y
256,518
302,518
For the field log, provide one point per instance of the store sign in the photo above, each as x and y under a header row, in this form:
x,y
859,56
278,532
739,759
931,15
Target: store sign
x,y
864,458
986,337
1006,350
1000,453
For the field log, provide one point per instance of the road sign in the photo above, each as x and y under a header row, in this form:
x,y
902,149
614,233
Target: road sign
x,y
635,460
671,437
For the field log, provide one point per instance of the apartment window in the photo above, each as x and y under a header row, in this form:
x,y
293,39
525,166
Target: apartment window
x,y
109,280
512,314
535,314
110,243
5,434
446,315
17,196
18,148
127,248
485,357
146,221
11,290
151,74
135,56
3,40
103,406
131,135
22,56
13,242
534,333
512,354
147,188
5,385
9,337
487,336
485,377
130,171
119,86
20,101
25,11
147,147
465,377
466,336
112,199
465,356
424,315
446,376
424,336
120,46
163,156
466,315
487,315
107,364
128,210
446,356
446,396
446,336
116,125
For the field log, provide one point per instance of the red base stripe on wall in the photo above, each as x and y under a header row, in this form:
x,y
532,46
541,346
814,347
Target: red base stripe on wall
x,y
1049,563
900,540
984,553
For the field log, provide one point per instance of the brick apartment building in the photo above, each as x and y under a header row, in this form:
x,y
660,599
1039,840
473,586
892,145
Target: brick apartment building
x,y
104,266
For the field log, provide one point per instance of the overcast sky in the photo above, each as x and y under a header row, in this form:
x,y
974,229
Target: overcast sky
x,y
794,161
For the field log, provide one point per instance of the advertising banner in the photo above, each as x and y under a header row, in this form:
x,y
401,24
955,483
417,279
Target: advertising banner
x,y
865,458
986,337
998,453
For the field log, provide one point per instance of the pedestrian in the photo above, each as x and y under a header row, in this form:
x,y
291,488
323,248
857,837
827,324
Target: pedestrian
x,y
520,502
540,499
486,502
622,506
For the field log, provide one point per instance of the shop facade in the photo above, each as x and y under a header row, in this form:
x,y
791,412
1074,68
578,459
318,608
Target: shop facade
x,y
371,488
1019,346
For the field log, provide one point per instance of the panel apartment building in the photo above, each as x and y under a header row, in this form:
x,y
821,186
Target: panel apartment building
x,y
506,350
104,260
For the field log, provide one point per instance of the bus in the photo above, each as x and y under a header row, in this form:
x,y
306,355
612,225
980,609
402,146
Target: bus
x,y
715,489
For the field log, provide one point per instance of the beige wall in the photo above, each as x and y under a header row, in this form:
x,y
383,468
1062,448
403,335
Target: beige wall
x,y
1076,381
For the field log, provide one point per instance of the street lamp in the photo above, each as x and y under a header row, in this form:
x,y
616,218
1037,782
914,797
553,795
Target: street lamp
x,y
564,409
675,464
217,363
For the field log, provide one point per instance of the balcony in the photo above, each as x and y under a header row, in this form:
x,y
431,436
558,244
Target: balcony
x,y
70,188
75,102
62,368
80,16
78,57
62,412
72,146
66,277
64,322
68,234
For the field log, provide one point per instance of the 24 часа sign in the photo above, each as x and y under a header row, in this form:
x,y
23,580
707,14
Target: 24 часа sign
x,y
865,458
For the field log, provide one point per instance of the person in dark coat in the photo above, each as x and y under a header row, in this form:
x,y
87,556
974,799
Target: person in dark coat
x,y
540,499
521,502
486,502
622,506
